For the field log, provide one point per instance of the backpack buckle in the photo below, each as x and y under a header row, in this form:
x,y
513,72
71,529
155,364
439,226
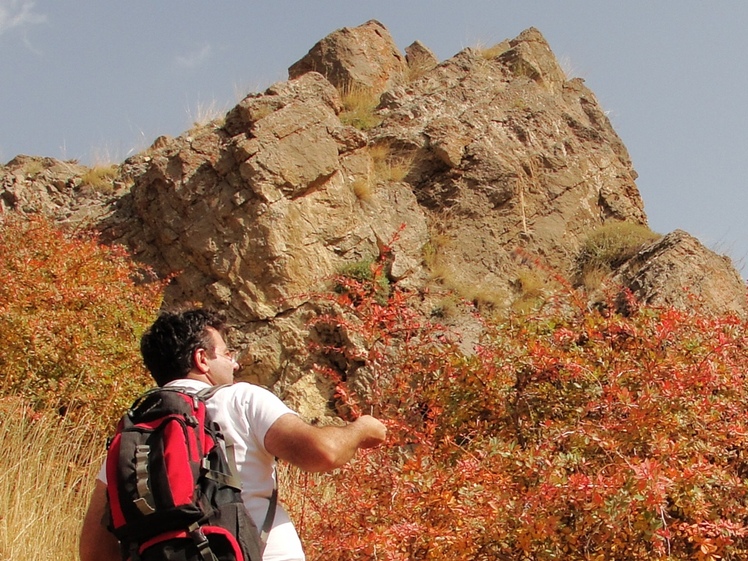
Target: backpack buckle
x,y
203,546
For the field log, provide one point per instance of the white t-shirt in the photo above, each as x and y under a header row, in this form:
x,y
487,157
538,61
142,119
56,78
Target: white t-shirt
x,y
245,412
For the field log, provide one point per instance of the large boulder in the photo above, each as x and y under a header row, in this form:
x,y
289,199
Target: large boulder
x,y
678,270
255,214
355,58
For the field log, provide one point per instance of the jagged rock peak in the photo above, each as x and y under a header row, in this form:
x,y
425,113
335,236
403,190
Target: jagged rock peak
x,y
531,55
470,172
420,59
363,57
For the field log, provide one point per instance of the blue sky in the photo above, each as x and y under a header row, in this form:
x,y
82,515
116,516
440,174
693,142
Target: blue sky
x,y
97,81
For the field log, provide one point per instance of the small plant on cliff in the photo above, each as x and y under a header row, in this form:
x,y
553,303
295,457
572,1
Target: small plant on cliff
x,y
388,164
490,53
363,189
531,289
100,178
369,271
33,168
609,247
206,113
71,314
359,107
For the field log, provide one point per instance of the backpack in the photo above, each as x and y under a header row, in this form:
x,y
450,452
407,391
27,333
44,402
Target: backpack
x,y
172,487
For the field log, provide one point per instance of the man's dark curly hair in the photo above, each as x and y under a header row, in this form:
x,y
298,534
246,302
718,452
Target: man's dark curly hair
x,y
168,345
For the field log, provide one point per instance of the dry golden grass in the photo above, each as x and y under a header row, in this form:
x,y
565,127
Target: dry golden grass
x,y
33,168
531,288
489,53
205,113
608,247
100,178
359,105
363,189
47,471
593,277
388,165
448,306
484,295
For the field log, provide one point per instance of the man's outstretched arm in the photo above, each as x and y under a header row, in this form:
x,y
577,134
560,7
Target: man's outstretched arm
x,y
313,448
96,542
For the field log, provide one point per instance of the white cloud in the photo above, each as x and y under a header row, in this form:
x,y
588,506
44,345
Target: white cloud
x,y
196,57
18,13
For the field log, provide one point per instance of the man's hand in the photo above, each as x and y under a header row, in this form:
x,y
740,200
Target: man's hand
x,y
373,430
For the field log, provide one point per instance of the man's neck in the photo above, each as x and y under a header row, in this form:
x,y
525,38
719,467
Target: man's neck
x,y
199,376
199,379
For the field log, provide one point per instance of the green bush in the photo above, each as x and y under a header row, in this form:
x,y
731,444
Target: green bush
x,y
367,271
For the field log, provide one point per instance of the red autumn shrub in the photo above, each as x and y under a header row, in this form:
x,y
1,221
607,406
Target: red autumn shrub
x,y
71,314
570,433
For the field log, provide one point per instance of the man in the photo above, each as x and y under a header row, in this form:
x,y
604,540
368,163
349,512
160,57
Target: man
x,y
188,350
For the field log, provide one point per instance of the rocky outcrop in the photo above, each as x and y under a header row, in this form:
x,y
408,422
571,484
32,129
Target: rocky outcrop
x,y
479,168
363,57
679,271
253,215
67,191
508,157
260,209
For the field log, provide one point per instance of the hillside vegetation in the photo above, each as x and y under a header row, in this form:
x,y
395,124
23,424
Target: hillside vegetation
x,y
572,433
71,314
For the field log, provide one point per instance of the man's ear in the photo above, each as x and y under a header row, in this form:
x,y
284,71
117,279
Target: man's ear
x,y
200,360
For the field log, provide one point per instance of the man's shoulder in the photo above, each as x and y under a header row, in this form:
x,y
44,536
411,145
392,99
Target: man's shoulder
x,y
244,391
237,388
255,403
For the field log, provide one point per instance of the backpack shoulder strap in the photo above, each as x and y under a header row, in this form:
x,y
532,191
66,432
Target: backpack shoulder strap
x,y
207,393
148,393
267,524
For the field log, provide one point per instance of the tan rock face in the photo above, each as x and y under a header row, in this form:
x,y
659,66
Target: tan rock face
x,y
363,57
255,215
483,165
679,271
513,159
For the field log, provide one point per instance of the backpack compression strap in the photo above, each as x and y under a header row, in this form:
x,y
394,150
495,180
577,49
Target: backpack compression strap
x,y
201,542
145,501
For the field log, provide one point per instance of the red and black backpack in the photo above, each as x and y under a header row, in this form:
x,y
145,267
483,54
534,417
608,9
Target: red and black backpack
x,y
172,485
